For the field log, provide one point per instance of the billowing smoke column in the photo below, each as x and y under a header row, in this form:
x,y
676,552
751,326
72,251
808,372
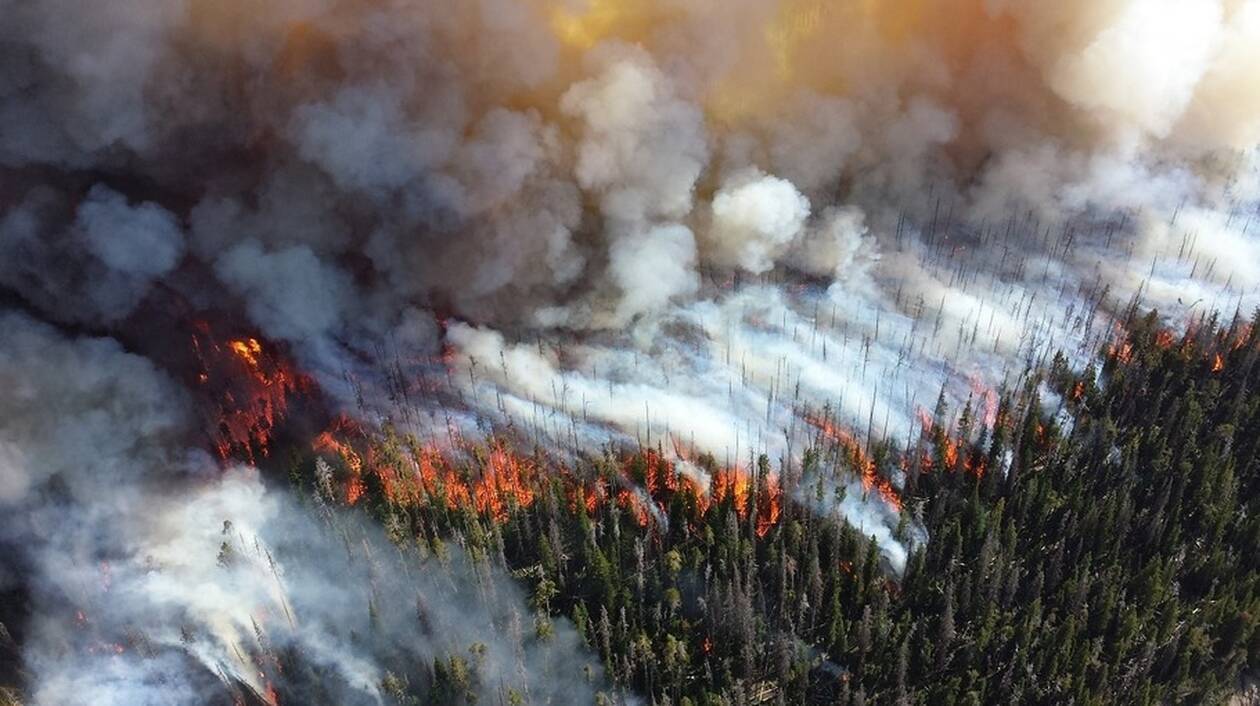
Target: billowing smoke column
x,y
717,227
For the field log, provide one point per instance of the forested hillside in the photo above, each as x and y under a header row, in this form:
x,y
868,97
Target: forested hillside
x,y
1096,544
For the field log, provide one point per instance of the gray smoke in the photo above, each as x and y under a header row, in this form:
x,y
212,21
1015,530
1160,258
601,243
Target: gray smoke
x,y
659,220
156,577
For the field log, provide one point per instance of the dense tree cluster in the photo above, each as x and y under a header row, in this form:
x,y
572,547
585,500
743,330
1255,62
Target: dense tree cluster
x,y
1095,544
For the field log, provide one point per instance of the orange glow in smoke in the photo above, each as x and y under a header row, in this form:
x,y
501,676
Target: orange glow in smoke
x,y
988,401
1241,336
271,696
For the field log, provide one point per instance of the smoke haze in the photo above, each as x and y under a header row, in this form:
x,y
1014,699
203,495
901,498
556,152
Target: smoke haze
x,y
688,223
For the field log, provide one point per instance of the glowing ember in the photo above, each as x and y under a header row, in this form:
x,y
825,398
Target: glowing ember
x,y
975,466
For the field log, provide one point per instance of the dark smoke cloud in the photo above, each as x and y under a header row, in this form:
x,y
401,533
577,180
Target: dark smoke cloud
x,y
88,262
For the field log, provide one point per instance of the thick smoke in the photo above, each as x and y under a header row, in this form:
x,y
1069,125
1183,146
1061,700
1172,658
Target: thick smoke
x,y
156,578
656,221
94,260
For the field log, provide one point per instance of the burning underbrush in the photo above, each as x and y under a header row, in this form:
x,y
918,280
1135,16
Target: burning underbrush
x,y
252,391
247,385
497,477
494,479
1204,342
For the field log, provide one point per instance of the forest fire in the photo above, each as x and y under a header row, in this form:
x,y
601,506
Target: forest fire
x,y
1121,353
988,400
500,481
249,386
733,484
1241,335
769,512
506,483
1078,391
270,694
847,441
630,500
248,350
336,440
951,449
950,453
1189,345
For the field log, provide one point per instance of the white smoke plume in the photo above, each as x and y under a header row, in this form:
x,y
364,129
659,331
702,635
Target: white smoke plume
x,y
653,221
157,578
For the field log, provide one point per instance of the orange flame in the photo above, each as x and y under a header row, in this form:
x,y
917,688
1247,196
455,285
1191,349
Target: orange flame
x,y
248,350
951,453
925,418
631,501
732,483
1123,353
271,696
769,511
871,480
354,490
503,481
330,442
249,386
507,482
